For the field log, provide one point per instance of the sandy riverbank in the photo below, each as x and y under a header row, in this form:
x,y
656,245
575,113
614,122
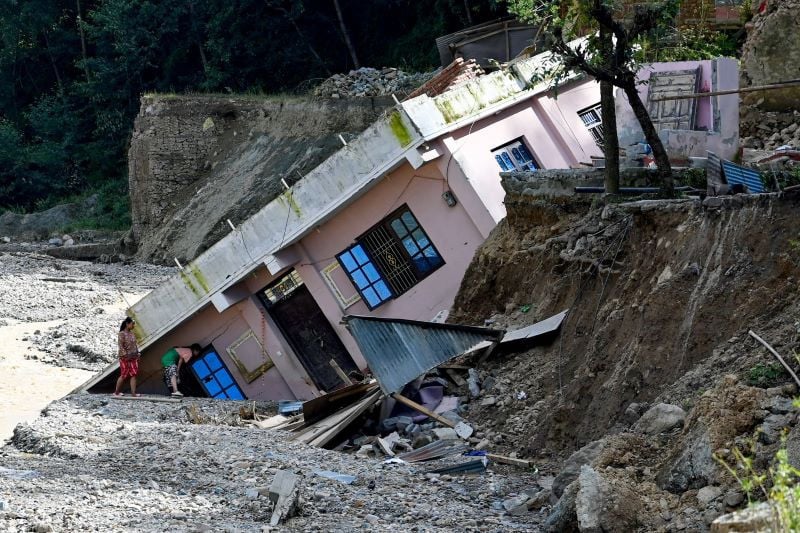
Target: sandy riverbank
x,y
58,322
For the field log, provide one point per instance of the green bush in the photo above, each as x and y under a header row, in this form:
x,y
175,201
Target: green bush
x,y
765,376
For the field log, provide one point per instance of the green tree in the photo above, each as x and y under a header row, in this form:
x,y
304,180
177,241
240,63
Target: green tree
x,y
607,54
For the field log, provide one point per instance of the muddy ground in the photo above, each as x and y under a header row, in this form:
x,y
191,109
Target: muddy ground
x,y
662,295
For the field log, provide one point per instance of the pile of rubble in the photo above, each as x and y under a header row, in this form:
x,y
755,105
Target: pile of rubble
x,y
770,130
368,81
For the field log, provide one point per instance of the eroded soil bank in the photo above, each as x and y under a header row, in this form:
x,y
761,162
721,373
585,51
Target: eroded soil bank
x,y
661,297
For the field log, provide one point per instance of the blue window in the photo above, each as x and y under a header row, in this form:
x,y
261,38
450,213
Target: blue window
x,y
514,156
365,276
215,378
390,258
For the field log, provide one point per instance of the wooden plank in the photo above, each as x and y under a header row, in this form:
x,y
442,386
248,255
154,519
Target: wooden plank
x,y
509,460
454,367
321,427
339,372
323,406
424,410
354,413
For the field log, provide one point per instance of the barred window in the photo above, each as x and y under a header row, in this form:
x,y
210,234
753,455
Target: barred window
x,y
593,120
514,156
390,258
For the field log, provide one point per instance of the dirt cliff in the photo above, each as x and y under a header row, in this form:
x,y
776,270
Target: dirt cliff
x,y
661,297
196,161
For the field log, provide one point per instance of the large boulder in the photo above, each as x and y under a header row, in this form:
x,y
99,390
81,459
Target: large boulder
x,y
602,505
660,418
572,466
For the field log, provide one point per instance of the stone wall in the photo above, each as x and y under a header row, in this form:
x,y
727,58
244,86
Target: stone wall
x,y
771,54
196,161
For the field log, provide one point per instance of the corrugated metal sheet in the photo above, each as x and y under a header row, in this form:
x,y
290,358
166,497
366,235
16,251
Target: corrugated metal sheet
x,y
746,176
548,325
399,351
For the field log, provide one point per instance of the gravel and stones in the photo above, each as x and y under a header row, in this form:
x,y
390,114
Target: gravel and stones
x,y
78,305
94,463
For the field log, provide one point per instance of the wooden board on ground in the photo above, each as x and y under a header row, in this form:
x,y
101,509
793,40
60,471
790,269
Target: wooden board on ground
x,y
509,460
319,408
424,410
164,399
340,421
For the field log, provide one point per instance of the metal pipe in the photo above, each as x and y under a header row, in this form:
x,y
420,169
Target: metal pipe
x,y
625,190
771,87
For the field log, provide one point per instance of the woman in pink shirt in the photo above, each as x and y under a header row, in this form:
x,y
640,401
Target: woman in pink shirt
x,y
129,355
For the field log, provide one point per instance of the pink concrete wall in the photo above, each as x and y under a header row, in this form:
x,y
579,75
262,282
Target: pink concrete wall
x,y
451,230
286,380
551,128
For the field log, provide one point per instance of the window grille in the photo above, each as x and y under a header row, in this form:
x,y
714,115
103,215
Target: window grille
x,y
514,156
390,258
593,120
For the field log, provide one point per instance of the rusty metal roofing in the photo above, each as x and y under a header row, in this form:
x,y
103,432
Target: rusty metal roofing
x,y
399,351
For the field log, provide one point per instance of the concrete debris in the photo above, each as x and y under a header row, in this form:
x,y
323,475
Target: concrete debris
x,y
368,81
284,493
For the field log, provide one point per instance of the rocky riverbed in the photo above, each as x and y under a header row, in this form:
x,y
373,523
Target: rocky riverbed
x,y
58,323
95,463
70,310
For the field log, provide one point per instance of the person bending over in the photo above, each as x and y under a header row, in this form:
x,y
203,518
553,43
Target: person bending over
x,y
172,362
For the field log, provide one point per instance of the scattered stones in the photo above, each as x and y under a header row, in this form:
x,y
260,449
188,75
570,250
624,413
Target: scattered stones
x,y
370,82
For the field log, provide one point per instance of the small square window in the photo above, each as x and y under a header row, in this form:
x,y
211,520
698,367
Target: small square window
x,y
515,156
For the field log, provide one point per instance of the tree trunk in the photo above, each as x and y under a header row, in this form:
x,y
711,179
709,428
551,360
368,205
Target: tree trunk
x,y
198,41
346,34
609,117
469,14
610,139
79,21
53,63
305,40
651,135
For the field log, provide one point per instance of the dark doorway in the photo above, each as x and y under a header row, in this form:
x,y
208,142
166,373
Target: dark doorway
x,y
305,327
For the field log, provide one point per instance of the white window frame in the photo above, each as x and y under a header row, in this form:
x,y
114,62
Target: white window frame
x,y
515,154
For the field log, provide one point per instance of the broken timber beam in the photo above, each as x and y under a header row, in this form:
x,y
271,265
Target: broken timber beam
x,y
424,410
339,372
778,357
509,460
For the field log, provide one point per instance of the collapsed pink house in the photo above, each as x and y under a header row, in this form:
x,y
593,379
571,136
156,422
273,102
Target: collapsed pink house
x,y
385,227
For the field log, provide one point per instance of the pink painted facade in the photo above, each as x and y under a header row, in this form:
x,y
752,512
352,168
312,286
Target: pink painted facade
x,y
716,125
464,165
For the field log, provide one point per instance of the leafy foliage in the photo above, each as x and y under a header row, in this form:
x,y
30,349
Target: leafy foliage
x,y
72,71
779,485
765,376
